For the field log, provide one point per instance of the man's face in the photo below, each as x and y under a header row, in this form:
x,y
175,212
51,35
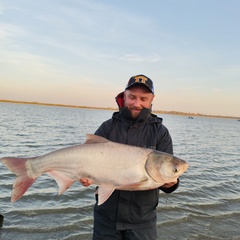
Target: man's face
x,y
136,98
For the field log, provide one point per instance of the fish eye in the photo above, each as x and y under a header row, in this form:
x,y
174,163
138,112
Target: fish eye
x,y
175,170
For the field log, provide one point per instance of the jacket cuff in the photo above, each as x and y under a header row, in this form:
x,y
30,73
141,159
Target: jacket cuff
x,y
171,189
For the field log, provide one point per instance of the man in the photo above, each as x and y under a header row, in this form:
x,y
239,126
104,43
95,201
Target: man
x,y
131,215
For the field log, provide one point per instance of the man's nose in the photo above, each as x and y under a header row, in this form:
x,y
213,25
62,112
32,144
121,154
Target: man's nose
x,y
137,103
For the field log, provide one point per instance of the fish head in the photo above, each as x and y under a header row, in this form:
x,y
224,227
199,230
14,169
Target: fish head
x,y
164,167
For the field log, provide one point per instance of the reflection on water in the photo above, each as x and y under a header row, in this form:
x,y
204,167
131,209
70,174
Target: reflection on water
x,y
206,205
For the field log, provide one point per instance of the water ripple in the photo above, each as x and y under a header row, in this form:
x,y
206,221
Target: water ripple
x,y
206,205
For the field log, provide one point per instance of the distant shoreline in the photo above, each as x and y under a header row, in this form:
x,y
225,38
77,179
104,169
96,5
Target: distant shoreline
x,y
115,109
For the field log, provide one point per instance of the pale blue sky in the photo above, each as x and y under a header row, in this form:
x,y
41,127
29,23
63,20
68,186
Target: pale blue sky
x,y
83,52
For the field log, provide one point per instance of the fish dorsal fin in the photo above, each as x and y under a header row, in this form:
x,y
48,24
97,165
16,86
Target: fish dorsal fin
x,y
91,138
104,192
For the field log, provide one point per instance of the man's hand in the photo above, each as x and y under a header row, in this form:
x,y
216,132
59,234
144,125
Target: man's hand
x,y
168,185
85,182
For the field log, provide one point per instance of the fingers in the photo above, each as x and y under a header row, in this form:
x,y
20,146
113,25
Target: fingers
x,y
168,185
85,182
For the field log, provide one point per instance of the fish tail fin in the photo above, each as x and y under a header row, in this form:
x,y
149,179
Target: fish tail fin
x,y
22,181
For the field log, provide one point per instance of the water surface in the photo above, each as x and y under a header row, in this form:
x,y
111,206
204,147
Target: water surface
x,y
205,206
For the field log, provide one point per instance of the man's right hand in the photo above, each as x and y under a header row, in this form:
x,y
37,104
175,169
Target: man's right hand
x,y
85,182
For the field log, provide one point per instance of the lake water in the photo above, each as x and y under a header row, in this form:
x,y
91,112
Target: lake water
x,y
205,206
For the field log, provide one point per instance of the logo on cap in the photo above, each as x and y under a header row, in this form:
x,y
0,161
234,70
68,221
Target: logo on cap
x,y
141,79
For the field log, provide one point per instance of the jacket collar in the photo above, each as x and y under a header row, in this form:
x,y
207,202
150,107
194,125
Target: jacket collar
x,y
125,113
120,100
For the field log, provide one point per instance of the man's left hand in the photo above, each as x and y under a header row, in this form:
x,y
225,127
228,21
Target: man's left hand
x,y
168,185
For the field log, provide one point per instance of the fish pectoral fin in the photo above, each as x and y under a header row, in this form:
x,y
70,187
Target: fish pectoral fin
x,y
62,180
104,192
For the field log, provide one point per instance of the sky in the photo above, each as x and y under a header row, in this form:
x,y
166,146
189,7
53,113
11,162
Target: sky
x,y
83,52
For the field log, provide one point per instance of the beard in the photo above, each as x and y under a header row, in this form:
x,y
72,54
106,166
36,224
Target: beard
x,y
135,112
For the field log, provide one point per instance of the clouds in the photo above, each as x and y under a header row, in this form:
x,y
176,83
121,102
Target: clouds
x,y
63,43
11,32
138,58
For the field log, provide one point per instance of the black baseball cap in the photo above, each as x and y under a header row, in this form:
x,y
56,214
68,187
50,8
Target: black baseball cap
x,y
140,79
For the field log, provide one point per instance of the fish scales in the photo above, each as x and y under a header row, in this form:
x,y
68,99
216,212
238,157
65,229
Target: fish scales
x,y
107,164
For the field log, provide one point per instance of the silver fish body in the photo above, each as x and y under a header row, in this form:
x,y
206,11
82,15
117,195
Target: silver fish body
x,y
107,164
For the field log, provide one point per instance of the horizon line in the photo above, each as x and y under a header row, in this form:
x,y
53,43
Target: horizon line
x,y
111,108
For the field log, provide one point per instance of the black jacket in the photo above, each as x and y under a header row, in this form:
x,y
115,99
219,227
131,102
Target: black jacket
x,y
132,209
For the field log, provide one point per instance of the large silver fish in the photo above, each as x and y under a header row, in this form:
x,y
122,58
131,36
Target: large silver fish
x,y
107,164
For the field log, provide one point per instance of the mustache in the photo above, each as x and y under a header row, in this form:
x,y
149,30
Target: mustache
x,y
135,108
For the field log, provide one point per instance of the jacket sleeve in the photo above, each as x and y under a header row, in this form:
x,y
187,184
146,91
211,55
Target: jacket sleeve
x,y
165,145
104,129
164,141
